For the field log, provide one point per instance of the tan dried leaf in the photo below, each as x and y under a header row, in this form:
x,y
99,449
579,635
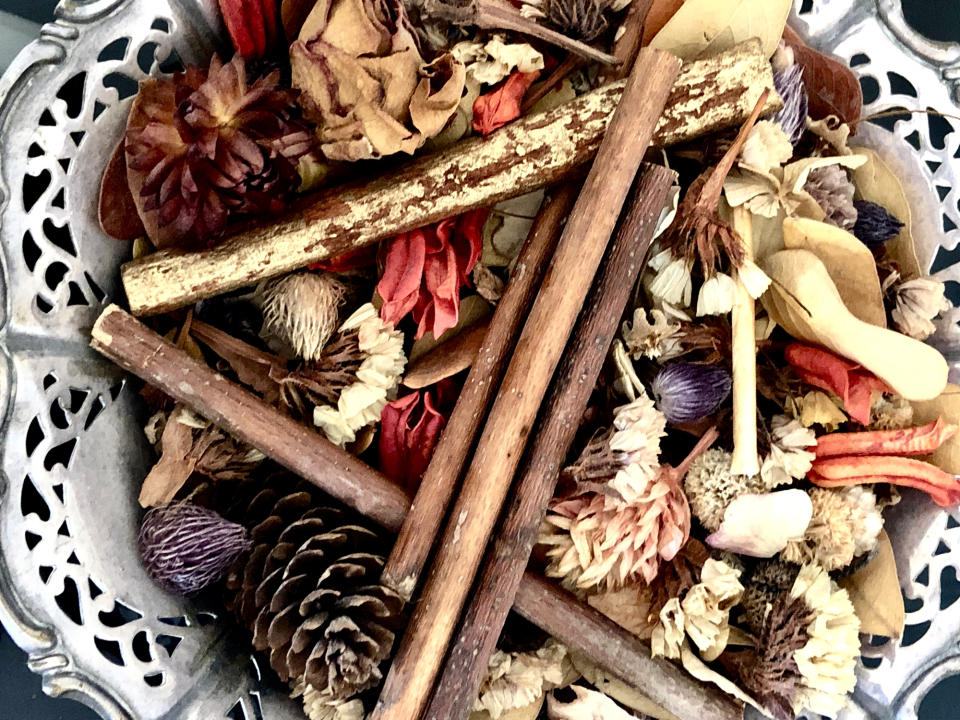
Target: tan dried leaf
x,y
947,406
628,607
448,358
618,690
175,465
874,590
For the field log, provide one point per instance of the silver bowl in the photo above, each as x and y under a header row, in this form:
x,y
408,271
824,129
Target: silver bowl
x,y
72,592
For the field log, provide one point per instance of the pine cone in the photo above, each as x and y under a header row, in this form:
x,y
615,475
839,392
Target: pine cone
x,y
309,592
833,191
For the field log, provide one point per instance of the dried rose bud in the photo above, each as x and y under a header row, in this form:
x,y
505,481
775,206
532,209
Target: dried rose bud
x,y
875,226
185,547
687,392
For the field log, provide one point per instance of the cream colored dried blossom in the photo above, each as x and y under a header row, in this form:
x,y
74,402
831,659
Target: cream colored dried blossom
x,y
817,408
672,282
827,663
755,280
710,487
361,403
890,412
767,146
918,302
638,427
651,340
669,633
717,295
302,310
789,458
627,382
489,63
706,608
845,525
321,705
516,680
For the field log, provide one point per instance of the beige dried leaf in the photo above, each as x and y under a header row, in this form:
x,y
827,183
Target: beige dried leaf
x,y
629,608
624,694
175,465
507,228
947,406
849,263
874,590
448,358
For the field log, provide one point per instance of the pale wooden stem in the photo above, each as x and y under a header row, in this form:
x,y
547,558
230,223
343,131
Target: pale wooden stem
x,y
135,347
417,536
511,419
570,393
745,459
710,95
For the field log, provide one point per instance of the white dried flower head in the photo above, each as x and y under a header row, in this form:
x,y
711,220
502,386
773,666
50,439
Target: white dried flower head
x,y
706,608
672,283
361,403
669,633
657,339
717,295
755,280
516,680
302,310
817,408
828,661
918,302
638,428
489,63
767,146
789,458
868,520
322,705
890,412
844,525
710,487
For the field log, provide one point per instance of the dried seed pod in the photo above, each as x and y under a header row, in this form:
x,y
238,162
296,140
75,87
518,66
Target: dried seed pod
x,y
302,310
687,392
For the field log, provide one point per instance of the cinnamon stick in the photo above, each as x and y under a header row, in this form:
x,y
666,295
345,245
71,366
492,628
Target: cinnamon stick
x,y
534,151
745,460
133,346
579,252
417,536
570,393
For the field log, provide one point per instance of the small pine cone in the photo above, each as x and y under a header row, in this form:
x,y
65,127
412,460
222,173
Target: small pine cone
x,y
831,188
309,592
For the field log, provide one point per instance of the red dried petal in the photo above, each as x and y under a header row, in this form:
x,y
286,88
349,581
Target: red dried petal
x,y
351,260
849,381
402,275
498,107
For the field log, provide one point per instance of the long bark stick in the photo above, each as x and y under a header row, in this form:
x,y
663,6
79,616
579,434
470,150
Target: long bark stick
x,y
535,151
745,460
560,417
129,343
417,536
581,248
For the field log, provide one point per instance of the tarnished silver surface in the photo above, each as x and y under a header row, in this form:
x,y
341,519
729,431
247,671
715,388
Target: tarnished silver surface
x,y
72,592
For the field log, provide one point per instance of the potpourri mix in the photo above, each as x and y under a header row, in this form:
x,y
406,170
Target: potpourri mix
x,y
767,397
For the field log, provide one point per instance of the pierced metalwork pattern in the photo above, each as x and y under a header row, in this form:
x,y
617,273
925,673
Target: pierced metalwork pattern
x,y
72,592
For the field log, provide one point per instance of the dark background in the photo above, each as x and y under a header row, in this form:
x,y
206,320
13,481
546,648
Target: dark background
x,y
20,695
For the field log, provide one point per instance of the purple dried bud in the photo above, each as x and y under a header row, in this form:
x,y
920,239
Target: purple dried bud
x,y
793,117
687,392
186,547
875,225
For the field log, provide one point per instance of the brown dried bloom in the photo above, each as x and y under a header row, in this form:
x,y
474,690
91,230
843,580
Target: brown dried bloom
x,y
770,578
677,576
651,340
203,146
302,310
580,19
845,524
710,487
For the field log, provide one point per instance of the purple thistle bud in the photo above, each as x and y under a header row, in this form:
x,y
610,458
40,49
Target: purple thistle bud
x,y
793,116
186,547
875,225
687,392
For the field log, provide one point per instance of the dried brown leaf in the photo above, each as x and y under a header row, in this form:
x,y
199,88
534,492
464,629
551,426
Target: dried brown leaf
x,y
874,590
832,87
175,465
660,13
448,358
254,368
117,210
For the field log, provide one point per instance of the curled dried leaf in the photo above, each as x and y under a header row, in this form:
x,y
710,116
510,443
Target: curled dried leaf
x,y
832,87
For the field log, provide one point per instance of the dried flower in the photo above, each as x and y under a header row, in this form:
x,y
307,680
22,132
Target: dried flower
x,y
651,340
767,146
322,705
669,634
769,579
580,19
773,675
185,547
706,607
918,302
710,487
363,81
831,187
845,524
203,147
254,27
890,413
763,525
516,680
828,661
672,282
490,62
755,280
425,269
687,392
409,430
789,459
376,380
717,295
793,117
817,408
496,108
302,310
875,226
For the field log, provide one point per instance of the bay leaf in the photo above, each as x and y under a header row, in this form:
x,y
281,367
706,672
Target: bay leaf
x,y
508,226
473,308
448,358
618,690
875,592
849,263
709,27
117,210
877,183
947,406
832,88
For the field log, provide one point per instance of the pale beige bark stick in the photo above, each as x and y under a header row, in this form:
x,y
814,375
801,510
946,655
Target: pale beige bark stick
x,y
745,460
